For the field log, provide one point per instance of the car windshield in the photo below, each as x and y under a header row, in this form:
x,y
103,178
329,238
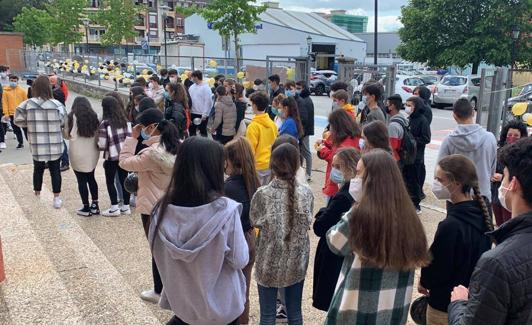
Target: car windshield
x,y
454,81
430,80
414,82
526,89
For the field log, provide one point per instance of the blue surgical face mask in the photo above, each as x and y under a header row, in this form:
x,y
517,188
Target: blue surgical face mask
x,y
275,111
13,84
298,92
167,95
289,93
144,135
336,176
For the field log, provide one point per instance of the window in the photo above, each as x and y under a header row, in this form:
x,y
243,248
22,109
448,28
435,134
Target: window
x,y
95,3
454,81
476,82
413,82
153,20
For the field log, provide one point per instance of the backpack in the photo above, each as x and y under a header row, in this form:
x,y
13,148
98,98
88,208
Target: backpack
x,y
408,149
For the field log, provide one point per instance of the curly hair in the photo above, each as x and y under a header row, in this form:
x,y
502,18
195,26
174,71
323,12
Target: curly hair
x,y
87,119
516,124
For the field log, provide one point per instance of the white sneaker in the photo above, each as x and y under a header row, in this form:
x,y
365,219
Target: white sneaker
x,y
58,203
3,145
125,209
150,296
113,211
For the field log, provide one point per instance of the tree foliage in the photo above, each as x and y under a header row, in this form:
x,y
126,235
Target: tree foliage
x,y
66,22
34,24
233,18
463,32
9,9
118,17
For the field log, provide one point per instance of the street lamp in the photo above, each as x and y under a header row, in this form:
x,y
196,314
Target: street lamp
x,y
309,51
515,36
86,23
164,8
309,44
375,47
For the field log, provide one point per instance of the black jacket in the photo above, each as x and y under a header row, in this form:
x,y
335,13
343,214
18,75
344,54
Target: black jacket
x,y
425,94
240,112
500,291
59,95
235,189
327,265
459,242
175,111
306,111
420,129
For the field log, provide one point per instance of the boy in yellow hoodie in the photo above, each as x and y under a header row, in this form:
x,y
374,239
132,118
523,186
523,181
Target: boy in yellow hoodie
x,y
12,97
261,133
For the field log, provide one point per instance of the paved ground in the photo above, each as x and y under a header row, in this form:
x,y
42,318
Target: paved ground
x,y
64,269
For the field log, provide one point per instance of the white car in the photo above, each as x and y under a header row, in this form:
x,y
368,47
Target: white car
x,y
452,87
405,85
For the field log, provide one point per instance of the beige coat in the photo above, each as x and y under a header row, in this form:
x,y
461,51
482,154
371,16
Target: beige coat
x,y
154,166
83,152
225,114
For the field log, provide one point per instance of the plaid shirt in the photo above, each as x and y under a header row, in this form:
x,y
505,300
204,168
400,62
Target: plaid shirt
x,y
44,120
111,140
366,295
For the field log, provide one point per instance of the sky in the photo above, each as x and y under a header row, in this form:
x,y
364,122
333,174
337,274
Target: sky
x,y
389,10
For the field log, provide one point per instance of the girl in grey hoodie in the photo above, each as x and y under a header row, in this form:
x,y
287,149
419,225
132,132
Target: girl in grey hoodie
x,y
198,242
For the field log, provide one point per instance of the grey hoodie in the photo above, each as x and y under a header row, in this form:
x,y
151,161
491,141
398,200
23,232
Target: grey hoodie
x,y
477,144
200,253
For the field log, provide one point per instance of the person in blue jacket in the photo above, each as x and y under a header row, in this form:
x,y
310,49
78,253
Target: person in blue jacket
x,y
292,124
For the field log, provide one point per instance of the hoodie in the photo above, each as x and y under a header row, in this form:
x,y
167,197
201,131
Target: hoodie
x,y
477,144
459,242
306,111
425,94
200,252
261,133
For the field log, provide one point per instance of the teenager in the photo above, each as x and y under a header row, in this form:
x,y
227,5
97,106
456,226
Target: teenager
x,y
224,116
383,242
282,211
113,131
13,95
261,133
39,113
277,104
373,112
375,136
306,112
201,97
156,91
203,284
340,100
240,186
81,129
461,237
327,265
176,107
292,122
241,105
344,132
154,168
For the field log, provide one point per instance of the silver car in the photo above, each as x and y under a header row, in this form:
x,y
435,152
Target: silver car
x,y
451,88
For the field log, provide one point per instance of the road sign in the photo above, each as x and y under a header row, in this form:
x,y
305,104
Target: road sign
x,y
144,44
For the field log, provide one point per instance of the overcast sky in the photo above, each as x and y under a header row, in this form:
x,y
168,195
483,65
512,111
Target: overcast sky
x,y
389,10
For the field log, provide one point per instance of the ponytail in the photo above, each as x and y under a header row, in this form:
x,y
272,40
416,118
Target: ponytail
x,y
169,136
487,217
292,209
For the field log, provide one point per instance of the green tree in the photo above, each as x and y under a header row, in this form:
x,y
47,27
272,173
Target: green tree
x,y
34,24
9,9
463,32
233,18
67,15
119,18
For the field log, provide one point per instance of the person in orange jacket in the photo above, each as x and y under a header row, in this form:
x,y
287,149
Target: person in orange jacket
x,y
13,96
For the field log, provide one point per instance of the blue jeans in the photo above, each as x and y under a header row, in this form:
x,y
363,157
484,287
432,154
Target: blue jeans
x,y
268,299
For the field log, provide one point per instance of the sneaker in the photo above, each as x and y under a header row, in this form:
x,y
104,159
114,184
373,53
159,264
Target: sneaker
x,y
125,209
3,145
95,209
281,317
64,168
20,146
418,210
85,211
150,296
113,211
58,202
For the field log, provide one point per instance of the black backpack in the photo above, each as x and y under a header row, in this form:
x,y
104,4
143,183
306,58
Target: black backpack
x,y
408,149
176,113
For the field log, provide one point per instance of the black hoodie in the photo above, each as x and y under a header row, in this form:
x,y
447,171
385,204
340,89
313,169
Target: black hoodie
x,y
425,93
459,242
306,111
420,130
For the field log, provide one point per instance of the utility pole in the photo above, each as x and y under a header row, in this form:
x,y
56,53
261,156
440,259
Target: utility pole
x,y
375,38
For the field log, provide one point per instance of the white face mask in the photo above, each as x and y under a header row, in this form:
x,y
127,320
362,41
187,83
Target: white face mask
x,y
362,144
502,197
440,191
408,110
355,188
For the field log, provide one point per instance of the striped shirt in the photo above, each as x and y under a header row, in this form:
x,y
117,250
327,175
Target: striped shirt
x,y
366,295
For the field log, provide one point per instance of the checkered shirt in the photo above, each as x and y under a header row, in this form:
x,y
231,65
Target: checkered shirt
x,y
111,140
44,120
366,295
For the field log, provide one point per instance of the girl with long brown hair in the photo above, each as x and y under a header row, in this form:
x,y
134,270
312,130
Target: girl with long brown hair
x,y
460,239
282,211
381,239
240,186
176,107
292,122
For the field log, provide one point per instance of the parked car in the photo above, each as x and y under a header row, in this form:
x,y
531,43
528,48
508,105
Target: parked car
x,y
405,85
525,95
452,87
321,81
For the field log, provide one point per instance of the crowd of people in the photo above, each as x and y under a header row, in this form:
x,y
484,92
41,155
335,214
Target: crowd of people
x,y
220,196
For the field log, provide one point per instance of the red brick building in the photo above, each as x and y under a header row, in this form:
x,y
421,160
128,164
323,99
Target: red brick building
x,y
11,50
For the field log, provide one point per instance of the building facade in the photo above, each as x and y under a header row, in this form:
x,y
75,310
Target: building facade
x,y
351,23
387,44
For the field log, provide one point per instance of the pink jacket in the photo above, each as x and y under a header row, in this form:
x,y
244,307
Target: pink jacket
x,y
154,166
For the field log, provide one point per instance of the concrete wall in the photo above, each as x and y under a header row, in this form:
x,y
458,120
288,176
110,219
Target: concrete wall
x,y
11,51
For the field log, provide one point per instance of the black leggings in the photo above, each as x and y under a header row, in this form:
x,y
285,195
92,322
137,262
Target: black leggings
x,y
85,179
193,127
111,168
55,174
157,282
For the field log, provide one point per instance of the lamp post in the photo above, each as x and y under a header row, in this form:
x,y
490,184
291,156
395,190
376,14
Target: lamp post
x,y
86,23
309,51
164,8
375,38
515,37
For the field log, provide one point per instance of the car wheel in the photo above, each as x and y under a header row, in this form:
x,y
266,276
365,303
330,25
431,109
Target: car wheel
x,y
473,102
320,89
